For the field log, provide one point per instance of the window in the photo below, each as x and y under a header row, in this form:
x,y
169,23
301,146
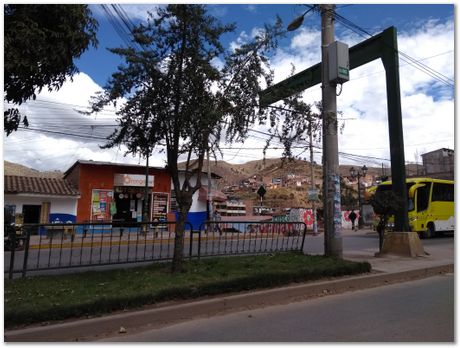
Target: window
x,y
443,192
423,197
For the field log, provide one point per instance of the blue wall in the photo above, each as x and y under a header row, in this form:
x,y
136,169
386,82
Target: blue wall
x,y
62,218
195,219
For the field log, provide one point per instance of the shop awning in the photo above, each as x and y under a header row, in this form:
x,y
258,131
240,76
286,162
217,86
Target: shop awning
x,y
216,195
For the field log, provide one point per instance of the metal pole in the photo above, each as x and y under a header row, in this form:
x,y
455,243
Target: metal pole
x,y
26,251
331,186
312,178
209,189
398,173
145,215
360,218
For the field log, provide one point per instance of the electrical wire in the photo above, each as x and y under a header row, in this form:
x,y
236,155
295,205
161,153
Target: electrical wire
x,y
119,13
403,56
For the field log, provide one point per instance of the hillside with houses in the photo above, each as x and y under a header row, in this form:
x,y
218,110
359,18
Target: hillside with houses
x,y
287,181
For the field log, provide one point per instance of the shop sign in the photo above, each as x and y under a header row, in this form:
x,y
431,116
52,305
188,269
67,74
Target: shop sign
x,y
132,180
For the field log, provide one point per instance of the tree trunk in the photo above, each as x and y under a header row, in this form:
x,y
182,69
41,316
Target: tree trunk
x,y
178,257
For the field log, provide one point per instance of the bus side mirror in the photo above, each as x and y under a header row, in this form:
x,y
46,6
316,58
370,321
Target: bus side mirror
x,y
413,189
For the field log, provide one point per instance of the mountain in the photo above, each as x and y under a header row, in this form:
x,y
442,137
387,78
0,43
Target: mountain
x,y
233,174
15,169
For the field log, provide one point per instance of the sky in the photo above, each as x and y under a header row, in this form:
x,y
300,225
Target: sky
x,y
58,135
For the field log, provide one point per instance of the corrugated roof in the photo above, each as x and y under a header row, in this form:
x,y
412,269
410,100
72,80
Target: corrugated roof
x,y
36,185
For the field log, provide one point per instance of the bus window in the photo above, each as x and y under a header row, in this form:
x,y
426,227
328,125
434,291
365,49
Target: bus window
x,y
443,192
410,204
423,194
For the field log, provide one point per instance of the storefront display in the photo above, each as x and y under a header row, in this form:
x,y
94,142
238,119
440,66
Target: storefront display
x,y
101,201
159,206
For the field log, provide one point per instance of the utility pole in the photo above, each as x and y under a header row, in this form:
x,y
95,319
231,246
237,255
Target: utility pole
x,y
312,178
331,175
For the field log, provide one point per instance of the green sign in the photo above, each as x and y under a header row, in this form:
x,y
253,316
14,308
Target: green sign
x,y
343,71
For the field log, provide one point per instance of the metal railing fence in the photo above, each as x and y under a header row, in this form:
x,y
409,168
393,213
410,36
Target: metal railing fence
x,y
242,237
58,246
40,247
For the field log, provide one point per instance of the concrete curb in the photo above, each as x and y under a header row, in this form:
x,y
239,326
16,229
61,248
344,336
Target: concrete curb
x,y
166,314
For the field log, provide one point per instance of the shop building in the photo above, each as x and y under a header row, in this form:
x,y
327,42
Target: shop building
x,y
37,200
114,192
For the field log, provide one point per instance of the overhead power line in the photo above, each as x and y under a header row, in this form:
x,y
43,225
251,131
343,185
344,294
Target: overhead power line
x,y
403,56
113,19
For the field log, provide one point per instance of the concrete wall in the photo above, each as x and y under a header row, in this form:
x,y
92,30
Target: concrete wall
x,y
62,208
198,211
306,215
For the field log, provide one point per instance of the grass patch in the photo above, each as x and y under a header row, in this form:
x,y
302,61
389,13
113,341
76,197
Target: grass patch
x,y
47,298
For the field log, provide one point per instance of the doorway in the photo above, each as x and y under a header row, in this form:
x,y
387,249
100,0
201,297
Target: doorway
x,y
130,206
31,215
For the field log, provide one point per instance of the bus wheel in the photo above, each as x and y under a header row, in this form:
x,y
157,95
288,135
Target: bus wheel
x,y
429,233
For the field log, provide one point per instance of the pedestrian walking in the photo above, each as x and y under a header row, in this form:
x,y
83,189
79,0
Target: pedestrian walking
x,y
217,218
352,217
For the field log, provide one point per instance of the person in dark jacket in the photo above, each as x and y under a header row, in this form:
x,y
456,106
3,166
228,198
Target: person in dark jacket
x,y
352,217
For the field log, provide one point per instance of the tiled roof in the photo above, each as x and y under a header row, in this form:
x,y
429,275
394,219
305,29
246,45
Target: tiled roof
x,y
36,185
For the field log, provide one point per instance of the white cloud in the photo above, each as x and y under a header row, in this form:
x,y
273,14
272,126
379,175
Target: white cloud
x,y
240,40
306,39
427,104
56,113
428,112
139,11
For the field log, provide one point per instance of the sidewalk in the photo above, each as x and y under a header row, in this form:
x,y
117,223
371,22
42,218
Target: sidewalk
x,y
437,255
386,270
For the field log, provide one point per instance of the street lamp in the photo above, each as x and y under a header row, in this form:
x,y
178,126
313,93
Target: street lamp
x,y
296,23
354,173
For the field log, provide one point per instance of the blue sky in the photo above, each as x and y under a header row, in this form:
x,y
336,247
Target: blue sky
x,y
58,135
99,63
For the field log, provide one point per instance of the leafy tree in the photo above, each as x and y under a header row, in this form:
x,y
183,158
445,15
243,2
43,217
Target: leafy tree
x,y
178,98
40,43
385,204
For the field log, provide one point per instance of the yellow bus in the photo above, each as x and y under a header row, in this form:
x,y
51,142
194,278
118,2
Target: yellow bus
x,y
430,205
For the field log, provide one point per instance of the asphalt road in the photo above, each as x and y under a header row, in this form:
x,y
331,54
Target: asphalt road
x,y
417,311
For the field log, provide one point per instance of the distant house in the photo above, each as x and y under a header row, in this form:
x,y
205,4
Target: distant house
x,y
439,164
39,200
231,207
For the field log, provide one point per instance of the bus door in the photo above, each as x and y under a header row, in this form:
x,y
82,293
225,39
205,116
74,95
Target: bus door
x,y
420,195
